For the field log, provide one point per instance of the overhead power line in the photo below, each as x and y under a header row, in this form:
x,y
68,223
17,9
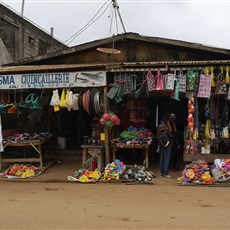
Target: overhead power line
x,y
91,21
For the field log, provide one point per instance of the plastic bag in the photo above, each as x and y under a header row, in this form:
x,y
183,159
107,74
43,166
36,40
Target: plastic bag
x,y
151,84
204,86
169,81
159,81
182,82
192,80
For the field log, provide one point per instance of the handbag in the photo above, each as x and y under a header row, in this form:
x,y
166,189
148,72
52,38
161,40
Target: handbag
x,y
169,81
192,80
151,84
159,81
182,82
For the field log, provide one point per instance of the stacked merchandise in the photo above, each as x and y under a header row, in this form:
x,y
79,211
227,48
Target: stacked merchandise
x,y
138,174
197,172
134,136
221,169
26,137
113,171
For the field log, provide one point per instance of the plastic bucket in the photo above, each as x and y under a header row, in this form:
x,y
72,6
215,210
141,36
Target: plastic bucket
x,y
62,142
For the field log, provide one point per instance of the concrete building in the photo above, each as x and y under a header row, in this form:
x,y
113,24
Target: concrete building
x,y
24,39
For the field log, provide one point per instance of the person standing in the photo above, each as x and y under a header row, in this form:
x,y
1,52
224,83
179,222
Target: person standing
x,y
164,145
171,122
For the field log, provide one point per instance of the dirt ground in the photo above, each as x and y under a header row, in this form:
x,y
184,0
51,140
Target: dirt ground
x,y
49,201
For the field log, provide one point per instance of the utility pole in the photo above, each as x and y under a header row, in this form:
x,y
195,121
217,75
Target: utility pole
x,y
22,11
115,5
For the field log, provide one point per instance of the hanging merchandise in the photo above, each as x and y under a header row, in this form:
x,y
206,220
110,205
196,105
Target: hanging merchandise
x,y
151,83
109,120
192,80
69,100
190,147
205,84
116,92
55,101
190,119
221,87
98,102
196,120
75,101
227,74
169,81
44,99
140,90
175,95
212,76
63,98
159,81
32,102
182,81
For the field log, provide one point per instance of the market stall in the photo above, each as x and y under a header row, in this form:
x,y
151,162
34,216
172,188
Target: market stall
x,y
38,102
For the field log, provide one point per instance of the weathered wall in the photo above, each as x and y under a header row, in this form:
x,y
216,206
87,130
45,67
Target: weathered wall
x,y
22,38
136,51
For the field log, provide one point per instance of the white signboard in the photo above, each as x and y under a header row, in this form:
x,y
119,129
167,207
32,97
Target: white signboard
x,y
53,80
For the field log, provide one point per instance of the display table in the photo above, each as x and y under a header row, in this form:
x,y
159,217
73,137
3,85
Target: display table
x,y
93,151
206,157
145,148
36,145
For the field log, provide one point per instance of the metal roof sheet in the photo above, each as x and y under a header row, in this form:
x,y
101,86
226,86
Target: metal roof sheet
x,y
111,67
49,68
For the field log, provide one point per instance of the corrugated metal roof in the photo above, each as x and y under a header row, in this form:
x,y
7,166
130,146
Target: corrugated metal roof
x,y
111,67
134,36
50,68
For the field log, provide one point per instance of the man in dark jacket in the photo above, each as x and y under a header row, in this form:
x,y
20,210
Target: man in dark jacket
x,y
165,144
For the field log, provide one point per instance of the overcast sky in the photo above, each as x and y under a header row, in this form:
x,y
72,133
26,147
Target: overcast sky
x,y
199,21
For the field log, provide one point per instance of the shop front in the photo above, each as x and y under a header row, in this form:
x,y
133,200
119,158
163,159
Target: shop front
x,y
46,108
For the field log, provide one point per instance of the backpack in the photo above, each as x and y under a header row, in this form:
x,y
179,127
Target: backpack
x,y
163,137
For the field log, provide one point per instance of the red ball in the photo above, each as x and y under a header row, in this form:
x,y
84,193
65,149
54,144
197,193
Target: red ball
x,y
106,116
113,118
117,122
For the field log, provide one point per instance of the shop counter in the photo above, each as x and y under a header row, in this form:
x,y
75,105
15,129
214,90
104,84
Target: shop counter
x,y
145,148
36,145
206,157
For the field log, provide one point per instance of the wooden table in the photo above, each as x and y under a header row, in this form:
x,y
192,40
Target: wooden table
x,y
37,145
145,147
99,155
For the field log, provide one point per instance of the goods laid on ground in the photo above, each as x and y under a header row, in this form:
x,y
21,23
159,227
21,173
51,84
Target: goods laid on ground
x,y
114,172
200,173
85,176
21,171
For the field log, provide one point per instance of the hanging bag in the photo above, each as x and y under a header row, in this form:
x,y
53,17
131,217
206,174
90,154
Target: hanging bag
x,y
169,81
192,80
221,87
205,84
182,81
151,84
159,81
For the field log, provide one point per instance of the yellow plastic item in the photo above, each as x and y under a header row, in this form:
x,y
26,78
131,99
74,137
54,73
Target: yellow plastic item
x,y
83,179
212,76
206,176
63,98
56,108
227,75
207,129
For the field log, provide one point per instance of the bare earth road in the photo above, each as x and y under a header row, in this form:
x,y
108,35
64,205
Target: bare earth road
x,y
164,205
